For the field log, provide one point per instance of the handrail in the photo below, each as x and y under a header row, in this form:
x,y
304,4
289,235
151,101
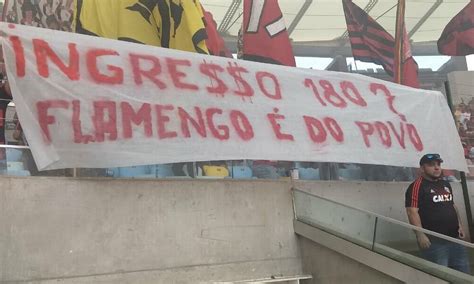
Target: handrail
x,y
14,146
360,254
388,219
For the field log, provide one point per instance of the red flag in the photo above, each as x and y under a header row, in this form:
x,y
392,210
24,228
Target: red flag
x,y
370,42
457,38
410,73
214,42
265,38
405,67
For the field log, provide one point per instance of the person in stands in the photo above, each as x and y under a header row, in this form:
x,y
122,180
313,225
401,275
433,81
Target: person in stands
x,y
429,204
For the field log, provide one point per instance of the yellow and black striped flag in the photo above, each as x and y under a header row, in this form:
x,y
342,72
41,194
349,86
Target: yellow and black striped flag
x,y
176,24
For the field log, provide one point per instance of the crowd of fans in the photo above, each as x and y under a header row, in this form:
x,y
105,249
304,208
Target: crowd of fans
x,y
465,125
51,14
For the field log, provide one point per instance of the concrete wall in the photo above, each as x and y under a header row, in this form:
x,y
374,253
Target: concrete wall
x,y
145,231
162,231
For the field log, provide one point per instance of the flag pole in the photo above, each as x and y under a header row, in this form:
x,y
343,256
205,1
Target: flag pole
x,y
355,64
399,30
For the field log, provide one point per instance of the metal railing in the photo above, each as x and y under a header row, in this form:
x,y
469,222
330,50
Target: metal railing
x,y
380,234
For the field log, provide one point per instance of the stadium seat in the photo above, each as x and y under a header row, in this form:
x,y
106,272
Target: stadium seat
x,y
215,171
308,174
241,172
15,166
265,172
134,171
344,174
356,174
14,155
163,170
112,172
350,174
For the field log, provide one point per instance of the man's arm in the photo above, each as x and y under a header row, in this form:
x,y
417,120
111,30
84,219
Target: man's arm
x,y
460,229
415,220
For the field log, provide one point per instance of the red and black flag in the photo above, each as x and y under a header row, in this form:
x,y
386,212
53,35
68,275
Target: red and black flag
x,y
457,38
372,43
369,40
214,42
265,38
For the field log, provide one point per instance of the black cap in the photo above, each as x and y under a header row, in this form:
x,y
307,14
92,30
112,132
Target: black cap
x,y
429,158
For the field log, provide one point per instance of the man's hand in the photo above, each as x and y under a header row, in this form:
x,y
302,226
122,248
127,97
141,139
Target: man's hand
x,y
461,233
414,218
423,240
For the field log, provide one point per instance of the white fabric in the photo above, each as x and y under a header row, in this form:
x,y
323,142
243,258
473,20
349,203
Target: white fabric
x,y
427,111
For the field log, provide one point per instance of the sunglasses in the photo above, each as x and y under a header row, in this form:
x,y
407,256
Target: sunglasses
x,y
433,156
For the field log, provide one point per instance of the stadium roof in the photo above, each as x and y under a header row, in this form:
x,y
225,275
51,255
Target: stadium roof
x,y
318,27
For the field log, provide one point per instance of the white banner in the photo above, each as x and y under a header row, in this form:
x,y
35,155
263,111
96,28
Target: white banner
x,y
92,102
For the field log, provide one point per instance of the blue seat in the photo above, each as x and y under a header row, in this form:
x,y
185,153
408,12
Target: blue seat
x,y
15,166
344,174
14,155
134,171
113,172
350,174
164,170
241,172
308,173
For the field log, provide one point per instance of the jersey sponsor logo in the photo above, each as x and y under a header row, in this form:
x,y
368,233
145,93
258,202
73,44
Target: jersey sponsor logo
x,y
442,198
447,189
